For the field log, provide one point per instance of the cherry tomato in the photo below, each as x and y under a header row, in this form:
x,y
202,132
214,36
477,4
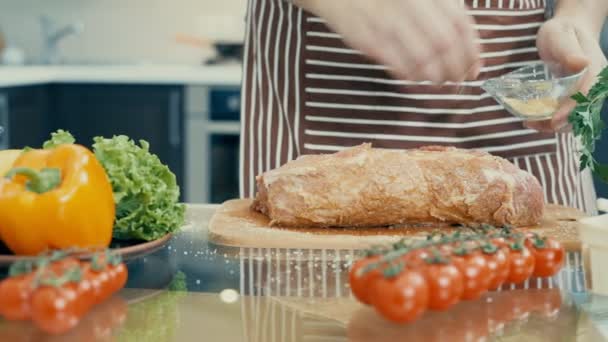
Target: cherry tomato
x,y
521,265
499,242
56,310
90,286
119,278
103,277
416,258
498,266
106,280
15,295
53,304
16,292
403,298
110,279
361,284
548,258
475,273
445,284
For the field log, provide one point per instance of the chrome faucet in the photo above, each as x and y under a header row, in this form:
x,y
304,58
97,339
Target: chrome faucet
x,y
52,35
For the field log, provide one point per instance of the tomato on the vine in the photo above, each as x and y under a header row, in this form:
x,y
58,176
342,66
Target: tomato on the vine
x,y
499,241
16,291
362,283
521,264
402,298
445,283
119,276
15,295
548,256
475,273
58,309
498,265
416,258
55,292
438,272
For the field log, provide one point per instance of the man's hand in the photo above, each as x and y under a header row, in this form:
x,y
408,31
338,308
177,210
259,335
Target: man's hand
x,y
573,44
418,40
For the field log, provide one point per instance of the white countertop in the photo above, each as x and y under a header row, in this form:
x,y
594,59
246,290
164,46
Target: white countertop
x,y
228,75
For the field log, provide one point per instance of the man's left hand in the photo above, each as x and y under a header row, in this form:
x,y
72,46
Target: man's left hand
x,y
568,43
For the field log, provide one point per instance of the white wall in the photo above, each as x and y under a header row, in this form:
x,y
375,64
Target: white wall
x,y
124,30
129,30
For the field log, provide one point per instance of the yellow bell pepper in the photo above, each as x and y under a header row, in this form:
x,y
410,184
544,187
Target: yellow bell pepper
x,y
55,199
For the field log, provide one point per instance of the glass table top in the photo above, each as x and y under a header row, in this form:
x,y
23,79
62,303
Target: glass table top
x,y
193,290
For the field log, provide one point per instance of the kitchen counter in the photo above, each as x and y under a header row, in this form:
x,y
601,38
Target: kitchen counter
x,y
218,75
192,290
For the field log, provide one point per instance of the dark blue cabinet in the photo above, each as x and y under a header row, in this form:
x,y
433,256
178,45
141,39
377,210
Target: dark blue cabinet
x,y
150,112
25,115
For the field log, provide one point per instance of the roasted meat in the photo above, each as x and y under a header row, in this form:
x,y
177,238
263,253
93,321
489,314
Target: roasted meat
x,y
364,186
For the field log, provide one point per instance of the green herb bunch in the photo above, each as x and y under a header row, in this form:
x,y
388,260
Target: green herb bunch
x,y
587,124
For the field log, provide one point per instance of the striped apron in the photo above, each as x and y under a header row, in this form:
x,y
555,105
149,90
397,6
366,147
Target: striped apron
x,y
306,92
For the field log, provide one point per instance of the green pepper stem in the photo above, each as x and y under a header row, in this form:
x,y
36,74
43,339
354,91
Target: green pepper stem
x,y
39,182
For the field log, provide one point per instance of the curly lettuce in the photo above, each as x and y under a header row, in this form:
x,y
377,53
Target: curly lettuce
x,y
145,190
59,138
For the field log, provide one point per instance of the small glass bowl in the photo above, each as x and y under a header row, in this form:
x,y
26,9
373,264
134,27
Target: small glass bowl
x,y
535,91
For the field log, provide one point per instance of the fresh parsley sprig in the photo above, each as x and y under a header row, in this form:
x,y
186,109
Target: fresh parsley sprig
x,y
587,124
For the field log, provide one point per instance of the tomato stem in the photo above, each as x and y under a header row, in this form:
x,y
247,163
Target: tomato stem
x,y
489,248
437,257
477,239
539,242
461,250
115,259
96,264
73,275
393,270
517,245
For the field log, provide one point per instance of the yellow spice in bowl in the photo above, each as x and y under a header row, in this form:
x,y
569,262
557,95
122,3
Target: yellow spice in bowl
x,y
533,107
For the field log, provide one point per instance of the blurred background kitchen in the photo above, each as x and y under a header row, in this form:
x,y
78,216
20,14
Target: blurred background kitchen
x,y
165,71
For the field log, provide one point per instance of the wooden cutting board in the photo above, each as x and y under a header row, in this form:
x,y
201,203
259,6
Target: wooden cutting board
x,y
235,224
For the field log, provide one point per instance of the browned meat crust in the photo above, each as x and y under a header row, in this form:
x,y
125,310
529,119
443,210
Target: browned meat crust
x,y
363,186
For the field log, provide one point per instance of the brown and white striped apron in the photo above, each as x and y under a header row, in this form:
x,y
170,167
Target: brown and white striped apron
x,y
305,92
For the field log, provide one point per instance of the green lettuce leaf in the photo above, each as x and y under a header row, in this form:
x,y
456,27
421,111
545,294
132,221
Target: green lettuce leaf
x,y
145,190
59,138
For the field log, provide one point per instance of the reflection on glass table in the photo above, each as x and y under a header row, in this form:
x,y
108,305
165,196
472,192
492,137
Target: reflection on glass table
x,y
192,290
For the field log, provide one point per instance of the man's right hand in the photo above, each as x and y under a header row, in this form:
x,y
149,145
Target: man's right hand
x,y
418,40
